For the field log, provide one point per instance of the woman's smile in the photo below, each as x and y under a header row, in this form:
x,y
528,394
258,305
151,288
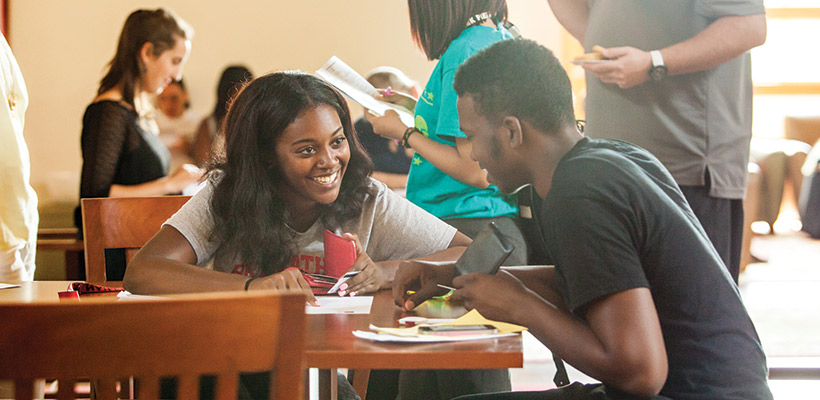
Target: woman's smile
x,y
331,178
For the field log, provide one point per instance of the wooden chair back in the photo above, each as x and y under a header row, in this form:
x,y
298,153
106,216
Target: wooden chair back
x,y
805,129
122,223
185,336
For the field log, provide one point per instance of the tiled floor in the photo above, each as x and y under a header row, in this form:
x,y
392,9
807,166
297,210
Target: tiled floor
x,y
783,299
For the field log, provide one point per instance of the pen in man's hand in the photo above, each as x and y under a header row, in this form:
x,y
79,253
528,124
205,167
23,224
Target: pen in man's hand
x,y
445,287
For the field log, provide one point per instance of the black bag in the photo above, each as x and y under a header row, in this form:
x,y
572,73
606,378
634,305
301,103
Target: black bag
x,y
809,203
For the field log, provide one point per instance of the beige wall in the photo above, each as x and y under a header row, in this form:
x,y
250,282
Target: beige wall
x,y
63,46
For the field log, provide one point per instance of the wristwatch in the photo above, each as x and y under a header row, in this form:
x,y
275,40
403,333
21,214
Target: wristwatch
x,y
658,71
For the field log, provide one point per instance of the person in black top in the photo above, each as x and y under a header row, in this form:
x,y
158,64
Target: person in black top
x,y
122,154
637,297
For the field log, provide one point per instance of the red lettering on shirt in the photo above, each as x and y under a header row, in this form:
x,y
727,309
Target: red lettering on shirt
x,y
319,265
240,269
307,261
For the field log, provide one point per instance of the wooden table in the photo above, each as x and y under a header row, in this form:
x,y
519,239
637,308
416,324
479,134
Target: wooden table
x,y
330,343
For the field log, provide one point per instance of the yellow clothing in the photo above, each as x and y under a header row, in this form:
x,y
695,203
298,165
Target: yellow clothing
x,y
18,201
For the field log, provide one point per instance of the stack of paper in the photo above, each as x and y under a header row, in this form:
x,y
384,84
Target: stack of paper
x,y
411,335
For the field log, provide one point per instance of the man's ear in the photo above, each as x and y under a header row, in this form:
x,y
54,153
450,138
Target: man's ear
x,y
512,130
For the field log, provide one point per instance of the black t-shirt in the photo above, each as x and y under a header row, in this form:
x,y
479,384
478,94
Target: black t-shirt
x,y
614,220
384,159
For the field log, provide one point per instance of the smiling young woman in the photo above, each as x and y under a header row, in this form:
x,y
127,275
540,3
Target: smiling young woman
x,y
292,167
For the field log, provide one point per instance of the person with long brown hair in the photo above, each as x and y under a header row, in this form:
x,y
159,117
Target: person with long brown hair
x,y
292,167
122,153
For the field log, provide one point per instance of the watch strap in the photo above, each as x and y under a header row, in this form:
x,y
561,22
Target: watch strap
x,y
657,58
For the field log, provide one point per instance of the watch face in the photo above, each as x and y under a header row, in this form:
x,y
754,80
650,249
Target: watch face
x,y
657,73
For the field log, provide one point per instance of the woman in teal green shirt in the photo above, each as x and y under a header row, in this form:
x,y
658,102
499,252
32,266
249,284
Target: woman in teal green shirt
x,y
443,180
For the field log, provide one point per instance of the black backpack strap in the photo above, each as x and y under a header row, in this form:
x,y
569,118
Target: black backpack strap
x,y
561,378
529,207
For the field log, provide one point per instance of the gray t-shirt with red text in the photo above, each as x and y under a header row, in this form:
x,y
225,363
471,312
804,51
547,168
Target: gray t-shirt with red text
x,y
389,228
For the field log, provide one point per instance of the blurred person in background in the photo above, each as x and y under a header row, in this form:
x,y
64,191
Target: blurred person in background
x,y
208,137
177,122
391,160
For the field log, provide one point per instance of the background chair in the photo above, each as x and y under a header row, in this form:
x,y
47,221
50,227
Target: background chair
x,y
803,128
185,336
122,223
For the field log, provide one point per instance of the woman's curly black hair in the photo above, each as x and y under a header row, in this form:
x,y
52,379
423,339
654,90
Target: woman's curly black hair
x,y
247,206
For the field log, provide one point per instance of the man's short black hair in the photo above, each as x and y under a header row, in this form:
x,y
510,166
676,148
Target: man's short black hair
x,y
519,78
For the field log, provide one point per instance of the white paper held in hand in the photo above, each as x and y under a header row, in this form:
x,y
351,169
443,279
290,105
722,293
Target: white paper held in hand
x,y
358,89
342,280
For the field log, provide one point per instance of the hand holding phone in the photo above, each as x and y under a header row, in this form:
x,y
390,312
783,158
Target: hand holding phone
x,y
486,253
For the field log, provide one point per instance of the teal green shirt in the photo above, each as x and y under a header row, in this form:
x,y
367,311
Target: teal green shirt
x,y
437,118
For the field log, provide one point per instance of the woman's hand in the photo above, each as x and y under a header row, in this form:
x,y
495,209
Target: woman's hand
x,y
369,280
289,280
184,176
389,125
398,98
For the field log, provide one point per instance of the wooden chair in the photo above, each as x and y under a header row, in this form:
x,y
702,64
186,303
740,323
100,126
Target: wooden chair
x,y
122,223
184,336
805,129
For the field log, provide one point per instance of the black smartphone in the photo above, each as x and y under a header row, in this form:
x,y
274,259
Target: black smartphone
x,y
486,253
457,330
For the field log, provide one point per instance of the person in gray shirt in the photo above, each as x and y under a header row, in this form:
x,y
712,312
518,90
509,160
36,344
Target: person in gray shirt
x,y
677,82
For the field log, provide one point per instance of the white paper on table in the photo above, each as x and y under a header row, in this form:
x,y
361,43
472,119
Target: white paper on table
x,y
382,337
8,286
341,305
128,296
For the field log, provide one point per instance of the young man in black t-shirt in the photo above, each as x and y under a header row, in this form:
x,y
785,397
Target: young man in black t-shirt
x,y
637,297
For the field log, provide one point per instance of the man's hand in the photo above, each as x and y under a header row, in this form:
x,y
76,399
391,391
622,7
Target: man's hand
x,y
289,280
626,66
496,297
421,277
